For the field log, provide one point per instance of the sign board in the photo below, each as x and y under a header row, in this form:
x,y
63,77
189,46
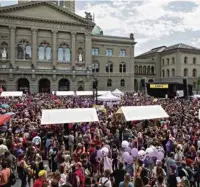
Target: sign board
x,y
161,86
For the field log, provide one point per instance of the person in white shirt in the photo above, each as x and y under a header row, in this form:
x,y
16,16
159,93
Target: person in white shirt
x,y
105,181
3,148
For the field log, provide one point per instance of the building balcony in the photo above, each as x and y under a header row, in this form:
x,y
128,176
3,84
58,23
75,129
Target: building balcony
x,y
45,71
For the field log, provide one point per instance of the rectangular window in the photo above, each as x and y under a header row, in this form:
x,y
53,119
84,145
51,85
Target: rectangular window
x,y
109,52
95,51
122,52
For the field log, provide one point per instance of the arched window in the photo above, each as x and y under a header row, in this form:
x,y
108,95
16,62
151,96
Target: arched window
x,y
194,72
167,61
163,73
168,73
152,70
136,69
109,67
44,52
64,53
194,60
163,62
140,69
24,50
109,82
122,67
185,72
173,72
4,50
144,70
122,83
173,60
95,66
148,70
185,60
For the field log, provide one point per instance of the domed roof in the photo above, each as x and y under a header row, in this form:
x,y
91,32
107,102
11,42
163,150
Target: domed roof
x,y
97,30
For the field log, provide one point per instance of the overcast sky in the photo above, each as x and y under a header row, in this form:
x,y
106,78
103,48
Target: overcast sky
x,y
154,22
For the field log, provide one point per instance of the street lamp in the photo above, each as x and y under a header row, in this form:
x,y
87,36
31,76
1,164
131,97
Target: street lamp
x,y
95,88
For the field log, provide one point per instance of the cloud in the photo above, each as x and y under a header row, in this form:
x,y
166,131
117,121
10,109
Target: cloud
x,y
148,19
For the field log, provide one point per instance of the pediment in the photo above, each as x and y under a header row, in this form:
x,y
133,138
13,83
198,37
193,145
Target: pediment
x,y
43,11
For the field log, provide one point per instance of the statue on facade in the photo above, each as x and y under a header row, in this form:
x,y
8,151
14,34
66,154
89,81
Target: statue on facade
x,y
132,36
4,54
80,58
88,15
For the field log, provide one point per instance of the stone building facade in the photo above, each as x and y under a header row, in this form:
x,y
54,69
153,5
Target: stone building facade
x,y
168,64
44,48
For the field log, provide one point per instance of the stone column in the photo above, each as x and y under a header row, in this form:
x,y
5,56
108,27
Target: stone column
x,y
55,47
34,47
73,48
12,44
88,49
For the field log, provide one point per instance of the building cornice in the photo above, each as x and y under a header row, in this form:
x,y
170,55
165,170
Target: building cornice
x,y
41,20
50,4
112,39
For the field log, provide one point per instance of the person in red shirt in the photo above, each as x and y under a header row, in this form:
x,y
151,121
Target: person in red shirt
x,y
41,180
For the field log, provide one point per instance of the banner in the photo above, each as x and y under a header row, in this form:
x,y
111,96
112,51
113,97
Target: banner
x,y
165,86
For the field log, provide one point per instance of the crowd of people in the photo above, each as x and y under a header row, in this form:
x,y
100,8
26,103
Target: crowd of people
x,y
100,153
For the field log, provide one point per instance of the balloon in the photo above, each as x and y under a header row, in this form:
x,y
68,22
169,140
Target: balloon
x,y
149,152
160,155
107,146
104,151
125,144
160,149
99,154
128,149
155,151
142,155
129,159
125,156
134,152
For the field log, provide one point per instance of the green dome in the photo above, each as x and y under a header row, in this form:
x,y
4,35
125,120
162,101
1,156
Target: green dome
x,y
97,30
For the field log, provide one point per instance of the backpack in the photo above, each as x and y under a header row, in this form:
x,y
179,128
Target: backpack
x,y
103,184
93,157
12,178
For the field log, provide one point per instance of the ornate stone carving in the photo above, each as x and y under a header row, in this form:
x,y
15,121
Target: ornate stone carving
x,y
132,36
4,54
88,15
54,77
80,57
33,77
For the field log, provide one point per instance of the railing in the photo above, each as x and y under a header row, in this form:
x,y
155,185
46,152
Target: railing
x,y
44,71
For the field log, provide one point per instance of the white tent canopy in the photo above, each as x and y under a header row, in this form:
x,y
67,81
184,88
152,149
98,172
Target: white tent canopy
x,y
12,94
81,93
75,115
101,92
117,92
63,93
108,96
134,113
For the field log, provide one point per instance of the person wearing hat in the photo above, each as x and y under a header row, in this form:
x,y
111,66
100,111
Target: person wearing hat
x,y
42,179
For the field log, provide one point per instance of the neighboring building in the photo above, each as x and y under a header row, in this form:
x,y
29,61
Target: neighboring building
x,y
168,64
44,47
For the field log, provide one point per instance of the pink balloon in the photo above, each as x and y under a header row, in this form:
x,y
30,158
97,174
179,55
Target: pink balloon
x,y
134,152
129,159
160,155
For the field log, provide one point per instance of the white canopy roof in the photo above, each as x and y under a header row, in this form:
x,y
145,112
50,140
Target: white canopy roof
x,y
12,94
84,93
118,92
101,92
108,96
75,115
134,113
64,93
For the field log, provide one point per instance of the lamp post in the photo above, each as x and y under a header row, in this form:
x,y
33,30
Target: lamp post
x,y
95,88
